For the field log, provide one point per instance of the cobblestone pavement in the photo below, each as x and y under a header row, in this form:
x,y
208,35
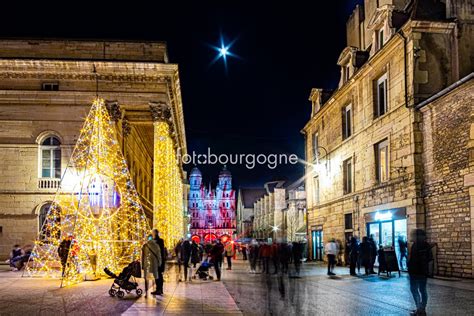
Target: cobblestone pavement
x,y
317,294
35,296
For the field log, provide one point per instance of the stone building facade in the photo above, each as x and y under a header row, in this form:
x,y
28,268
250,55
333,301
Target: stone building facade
x,y
268,220
246,199
364,141
294,215
46,90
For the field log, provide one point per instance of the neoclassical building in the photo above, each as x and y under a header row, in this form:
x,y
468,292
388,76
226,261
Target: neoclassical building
x,y
46,90
212,211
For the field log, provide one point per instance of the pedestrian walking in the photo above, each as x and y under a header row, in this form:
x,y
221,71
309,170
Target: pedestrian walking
x,y
243,249
63,252
297,251
284,256
419,258
195,253
179,258
151,262
253,256
374,253
332,251
366,254
161,270
403,248
216,256
186,255
353,255
229,253
265,254
275,257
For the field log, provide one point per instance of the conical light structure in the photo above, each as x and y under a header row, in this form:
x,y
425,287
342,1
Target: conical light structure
x,y
96,219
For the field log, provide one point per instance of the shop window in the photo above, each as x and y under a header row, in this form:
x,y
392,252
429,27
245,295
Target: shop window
x,y
347,175
348,221
380,99
347,121
381,161
50,158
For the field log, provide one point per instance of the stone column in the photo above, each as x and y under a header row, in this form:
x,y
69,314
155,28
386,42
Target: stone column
x,y
168,215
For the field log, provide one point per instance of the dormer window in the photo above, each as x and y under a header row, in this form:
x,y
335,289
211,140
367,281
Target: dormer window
x,y
380,39
382,26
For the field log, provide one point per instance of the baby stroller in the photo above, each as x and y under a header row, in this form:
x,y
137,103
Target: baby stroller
x,y
203,271
122,281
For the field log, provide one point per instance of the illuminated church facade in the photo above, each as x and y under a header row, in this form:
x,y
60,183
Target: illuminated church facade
x,y
212,211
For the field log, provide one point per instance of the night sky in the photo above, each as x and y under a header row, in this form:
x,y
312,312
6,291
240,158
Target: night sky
x,y
260,104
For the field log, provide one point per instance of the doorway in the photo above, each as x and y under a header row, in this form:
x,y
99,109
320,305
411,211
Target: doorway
x,y
317,245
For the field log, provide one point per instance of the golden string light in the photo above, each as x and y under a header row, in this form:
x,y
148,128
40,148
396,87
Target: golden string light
x,y
168,215
97,209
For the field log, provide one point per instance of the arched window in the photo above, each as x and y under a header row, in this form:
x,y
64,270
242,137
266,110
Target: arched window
x,y
51,158
47,230
43,213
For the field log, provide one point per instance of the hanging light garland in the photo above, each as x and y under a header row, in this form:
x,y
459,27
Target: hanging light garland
x,y
96,212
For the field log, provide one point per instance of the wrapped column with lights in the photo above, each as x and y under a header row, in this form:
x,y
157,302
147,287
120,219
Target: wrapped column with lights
x,y
167,186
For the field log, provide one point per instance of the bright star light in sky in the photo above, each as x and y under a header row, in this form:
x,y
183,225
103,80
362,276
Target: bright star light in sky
x,y
223,51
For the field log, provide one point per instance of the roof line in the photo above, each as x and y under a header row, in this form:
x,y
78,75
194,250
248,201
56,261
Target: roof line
x,y
444,91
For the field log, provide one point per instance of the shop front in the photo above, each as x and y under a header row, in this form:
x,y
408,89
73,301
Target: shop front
x,y
388,227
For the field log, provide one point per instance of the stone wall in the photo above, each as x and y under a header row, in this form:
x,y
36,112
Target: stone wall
x,y
447,159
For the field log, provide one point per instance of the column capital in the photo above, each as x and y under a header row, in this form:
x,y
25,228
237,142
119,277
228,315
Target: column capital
x,y
160,111
114,110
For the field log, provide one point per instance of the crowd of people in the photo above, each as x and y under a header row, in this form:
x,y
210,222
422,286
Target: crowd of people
x,y
270,258
273,257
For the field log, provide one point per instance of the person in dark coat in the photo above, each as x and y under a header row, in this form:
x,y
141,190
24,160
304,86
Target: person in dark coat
x,y
216,256
284,256
382,262
186,255
403,247
253,256
366,254
63,252
353,255
195,253
161,270
419,257
243,249
179,257
373,247
297,256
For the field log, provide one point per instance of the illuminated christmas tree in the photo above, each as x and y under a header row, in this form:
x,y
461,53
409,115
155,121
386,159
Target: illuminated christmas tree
x,y
96,219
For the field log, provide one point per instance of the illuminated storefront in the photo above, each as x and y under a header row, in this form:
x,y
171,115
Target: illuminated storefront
x,y
387,226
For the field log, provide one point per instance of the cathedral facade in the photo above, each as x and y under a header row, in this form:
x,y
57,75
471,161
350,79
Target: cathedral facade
x,y
212,211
